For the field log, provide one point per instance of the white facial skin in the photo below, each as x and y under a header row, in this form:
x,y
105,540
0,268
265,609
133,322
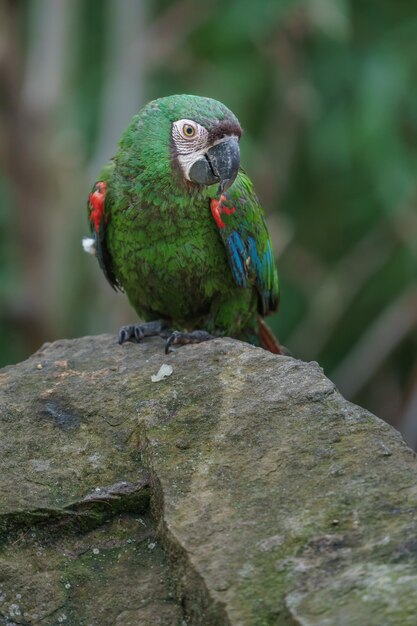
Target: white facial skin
x,y
190,141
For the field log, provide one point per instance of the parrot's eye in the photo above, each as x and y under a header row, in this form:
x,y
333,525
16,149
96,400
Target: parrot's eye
x,y
188,131
188,136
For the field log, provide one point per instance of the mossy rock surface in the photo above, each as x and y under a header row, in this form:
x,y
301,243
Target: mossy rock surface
x,y
241,490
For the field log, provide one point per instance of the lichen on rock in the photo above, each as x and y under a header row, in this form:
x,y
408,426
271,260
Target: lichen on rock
x,y
243,490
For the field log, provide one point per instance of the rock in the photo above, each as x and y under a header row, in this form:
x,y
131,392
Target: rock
x,y
241,490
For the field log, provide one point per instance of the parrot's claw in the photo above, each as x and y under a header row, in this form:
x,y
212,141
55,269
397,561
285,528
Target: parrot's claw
x,y
136,332
125,334
160,328
181,339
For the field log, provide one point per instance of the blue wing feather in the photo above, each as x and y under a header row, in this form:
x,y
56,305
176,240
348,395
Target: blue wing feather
x,y
237,255
248,244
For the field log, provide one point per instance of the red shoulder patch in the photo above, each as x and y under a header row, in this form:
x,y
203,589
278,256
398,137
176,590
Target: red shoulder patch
x,y
217,209
96,203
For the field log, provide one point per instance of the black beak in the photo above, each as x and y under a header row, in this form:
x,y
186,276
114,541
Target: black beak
x,y
220,165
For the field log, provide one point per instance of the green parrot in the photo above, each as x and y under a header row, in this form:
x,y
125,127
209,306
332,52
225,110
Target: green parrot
x,y
176,225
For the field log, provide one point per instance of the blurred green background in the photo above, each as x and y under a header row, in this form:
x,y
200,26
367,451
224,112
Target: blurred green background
x,y
326,91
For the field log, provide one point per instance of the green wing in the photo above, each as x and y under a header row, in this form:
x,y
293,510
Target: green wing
x,y
241,223
98,203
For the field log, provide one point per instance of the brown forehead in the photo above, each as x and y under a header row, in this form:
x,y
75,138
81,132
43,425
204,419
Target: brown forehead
x,y
222,128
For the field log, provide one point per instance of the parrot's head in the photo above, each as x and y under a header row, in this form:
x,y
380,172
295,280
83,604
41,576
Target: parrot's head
x,y
205,143
203,138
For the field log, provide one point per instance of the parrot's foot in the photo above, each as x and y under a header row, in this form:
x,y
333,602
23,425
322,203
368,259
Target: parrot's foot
x,y
182,339
136,332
